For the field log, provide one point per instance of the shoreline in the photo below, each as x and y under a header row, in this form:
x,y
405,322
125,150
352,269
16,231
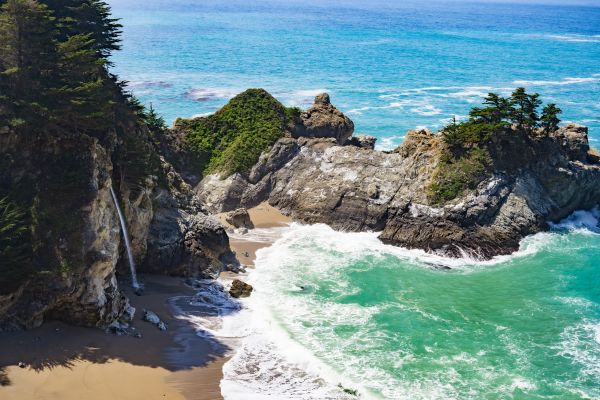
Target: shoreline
x,y
68,362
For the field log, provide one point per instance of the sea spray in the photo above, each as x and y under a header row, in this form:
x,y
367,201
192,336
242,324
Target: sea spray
x,y
134,281
331,304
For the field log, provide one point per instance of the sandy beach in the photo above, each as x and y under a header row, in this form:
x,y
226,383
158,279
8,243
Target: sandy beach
x,y
65,362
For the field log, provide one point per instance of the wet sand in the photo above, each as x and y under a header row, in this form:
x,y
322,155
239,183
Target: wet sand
x,y
63,362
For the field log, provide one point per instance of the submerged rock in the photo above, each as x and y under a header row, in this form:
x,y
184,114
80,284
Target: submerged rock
x,y
240,289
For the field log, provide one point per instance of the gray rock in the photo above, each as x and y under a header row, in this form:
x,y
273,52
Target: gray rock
x,y
239,218
323,120
363,141
356,189
151,317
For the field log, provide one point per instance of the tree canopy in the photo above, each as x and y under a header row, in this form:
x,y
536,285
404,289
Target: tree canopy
x,y
53,64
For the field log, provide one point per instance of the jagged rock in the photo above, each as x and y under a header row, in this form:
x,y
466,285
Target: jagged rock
x,y
363,141
575,141
186,243
240,289
323,120
239,219
537,179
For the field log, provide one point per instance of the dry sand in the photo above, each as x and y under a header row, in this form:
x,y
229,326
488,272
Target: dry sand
x,y
63,362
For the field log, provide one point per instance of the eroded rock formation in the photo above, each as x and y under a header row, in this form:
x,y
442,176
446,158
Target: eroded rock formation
x,y
536,179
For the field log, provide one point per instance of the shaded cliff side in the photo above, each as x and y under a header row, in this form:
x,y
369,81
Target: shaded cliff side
x,y
68,133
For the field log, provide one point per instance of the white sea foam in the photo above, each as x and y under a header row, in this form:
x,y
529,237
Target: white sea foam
x,y
208,94
389,142
586,222
575,38
581,343
562,82
301,98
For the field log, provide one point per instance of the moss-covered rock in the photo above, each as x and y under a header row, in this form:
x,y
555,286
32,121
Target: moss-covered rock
x,y
232,139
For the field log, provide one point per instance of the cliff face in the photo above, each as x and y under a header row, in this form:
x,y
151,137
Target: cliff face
x,y
535,179
74,237
62,184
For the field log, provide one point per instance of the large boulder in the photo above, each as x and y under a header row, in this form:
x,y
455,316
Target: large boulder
x,y
240,289
575,141
239,219
323,120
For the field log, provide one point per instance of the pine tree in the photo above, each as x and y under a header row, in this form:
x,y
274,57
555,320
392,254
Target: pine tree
x,y
154,121
451,134
524,108
28,56
497,110
91,17
549,119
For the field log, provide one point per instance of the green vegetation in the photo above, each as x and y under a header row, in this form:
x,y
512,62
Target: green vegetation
x,y
53,65
468,157
232,139
58,99
14,248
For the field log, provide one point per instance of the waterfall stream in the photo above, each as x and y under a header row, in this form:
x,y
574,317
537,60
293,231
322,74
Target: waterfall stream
x,y
134,281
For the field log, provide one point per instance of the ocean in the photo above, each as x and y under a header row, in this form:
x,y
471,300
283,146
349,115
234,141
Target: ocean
x,y
390,65
335,312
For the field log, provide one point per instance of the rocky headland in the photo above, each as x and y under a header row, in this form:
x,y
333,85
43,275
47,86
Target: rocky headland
x,y
326,175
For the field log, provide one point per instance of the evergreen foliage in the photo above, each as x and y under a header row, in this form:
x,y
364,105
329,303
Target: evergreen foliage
x,y
14,251
469,157
232,139
549,119
53,65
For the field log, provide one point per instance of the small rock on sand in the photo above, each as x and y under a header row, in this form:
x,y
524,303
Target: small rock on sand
x,y
240,289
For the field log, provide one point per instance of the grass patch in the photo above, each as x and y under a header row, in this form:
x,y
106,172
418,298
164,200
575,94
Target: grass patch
x,y
458,173
232,139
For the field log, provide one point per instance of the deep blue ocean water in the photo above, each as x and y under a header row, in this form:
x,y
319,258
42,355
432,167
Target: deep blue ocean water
x,y
335,308
390,65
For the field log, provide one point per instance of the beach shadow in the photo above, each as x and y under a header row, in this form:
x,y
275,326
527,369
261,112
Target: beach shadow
x,y
4,381
185,345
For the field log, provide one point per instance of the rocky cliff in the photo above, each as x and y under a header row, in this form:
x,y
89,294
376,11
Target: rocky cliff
x,y
74,249
534,178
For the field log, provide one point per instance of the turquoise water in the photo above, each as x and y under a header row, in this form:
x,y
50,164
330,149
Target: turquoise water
x,y
394,326
391,65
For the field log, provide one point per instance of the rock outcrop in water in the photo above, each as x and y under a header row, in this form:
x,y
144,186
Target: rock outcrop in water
x,y
536,178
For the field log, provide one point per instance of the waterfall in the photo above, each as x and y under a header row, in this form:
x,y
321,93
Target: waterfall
x,y
134,281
